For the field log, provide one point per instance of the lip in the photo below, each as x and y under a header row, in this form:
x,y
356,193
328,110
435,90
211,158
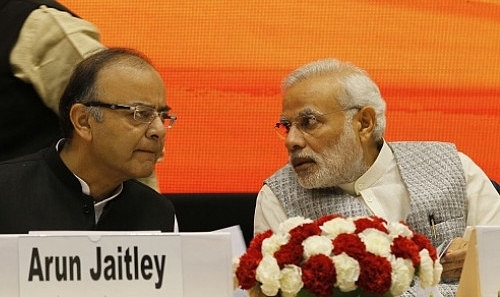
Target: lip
x,y
301,163
148,151
151,151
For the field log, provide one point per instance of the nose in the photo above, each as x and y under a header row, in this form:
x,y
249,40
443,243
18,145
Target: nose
x,y
295,139
156,129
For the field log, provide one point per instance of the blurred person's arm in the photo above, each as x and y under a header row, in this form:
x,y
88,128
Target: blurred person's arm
x,y
50,44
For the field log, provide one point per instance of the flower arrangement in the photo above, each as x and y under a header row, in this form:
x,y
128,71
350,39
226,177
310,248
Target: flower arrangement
x,y
337,256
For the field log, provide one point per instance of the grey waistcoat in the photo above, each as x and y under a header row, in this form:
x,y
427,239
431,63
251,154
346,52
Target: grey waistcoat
x,y
431,171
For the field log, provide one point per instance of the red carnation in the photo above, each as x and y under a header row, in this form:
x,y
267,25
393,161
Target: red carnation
x,y
326,218
350,244
245,273
375,274
289,253
300,233
319,275
403,247
424,243
370,222
256,243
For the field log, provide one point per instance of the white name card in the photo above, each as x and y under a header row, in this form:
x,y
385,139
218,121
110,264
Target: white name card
x,y
109,265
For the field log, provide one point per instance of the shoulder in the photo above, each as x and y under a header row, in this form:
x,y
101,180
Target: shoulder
x,y
286,170
136,187
471,169
30,174
423,145
146,202
417,151
23,163
145,195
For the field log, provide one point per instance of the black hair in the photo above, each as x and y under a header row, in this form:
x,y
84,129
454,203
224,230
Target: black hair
x,y
82,85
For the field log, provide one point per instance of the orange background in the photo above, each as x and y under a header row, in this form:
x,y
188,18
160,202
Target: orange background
x,y
437,64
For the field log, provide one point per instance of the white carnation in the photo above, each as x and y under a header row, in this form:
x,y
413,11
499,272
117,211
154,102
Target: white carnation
x,y
401,275
268,274
273,243
316,244
376,242
291,280
291,223
348,270
426,269
397,229
438,269
337,226
236,263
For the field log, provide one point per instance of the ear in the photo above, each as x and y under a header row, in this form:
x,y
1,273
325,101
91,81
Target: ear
x,y
366,119
80,117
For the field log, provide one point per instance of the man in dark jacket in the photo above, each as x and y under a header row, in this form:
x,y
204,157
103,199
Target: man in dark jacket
x,y
114,119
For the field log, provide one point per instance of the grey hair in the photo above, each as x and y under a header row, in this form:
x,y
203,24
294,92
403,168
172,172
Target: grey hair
x,y
96,113
355,87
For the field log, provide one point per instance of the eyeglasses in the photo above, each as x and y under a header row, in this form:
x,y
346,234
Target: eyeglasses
x,y
307,123
142,113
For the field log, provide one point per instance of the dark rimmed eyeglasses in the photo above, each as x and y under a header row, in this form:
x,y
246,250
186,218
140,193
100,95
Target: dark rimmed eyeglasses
x,y
142,113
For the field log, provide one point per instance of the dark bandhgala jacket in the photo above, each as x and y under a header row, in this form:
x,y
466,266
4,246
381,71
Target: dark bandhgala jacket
x,y
38,192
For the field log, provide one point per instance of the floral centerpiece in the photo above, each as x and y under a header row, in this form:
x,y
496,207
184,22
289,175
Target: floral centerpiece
x,y
337,256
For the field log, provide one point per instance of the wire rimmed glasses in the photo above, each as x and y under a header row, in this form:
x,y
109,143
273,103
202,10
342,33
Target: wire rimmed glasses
x,y
142,113
307,123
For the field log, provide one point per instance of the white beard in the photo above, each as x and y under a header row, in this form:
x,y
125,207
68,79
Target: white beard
x,y
340,164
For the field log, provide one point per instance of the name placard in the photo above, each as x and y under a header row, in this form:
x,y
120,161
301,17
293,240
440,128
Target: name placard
x,y
482,263
153,264
112,265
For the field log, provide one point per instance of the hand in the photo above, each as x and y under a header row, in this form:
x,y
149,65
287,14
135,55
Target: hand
x,y
453,259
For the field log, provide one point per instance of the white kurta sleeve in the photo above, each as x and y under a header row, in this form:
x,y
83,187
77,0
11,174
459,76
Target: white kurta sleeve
x,y
268,211
484,200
